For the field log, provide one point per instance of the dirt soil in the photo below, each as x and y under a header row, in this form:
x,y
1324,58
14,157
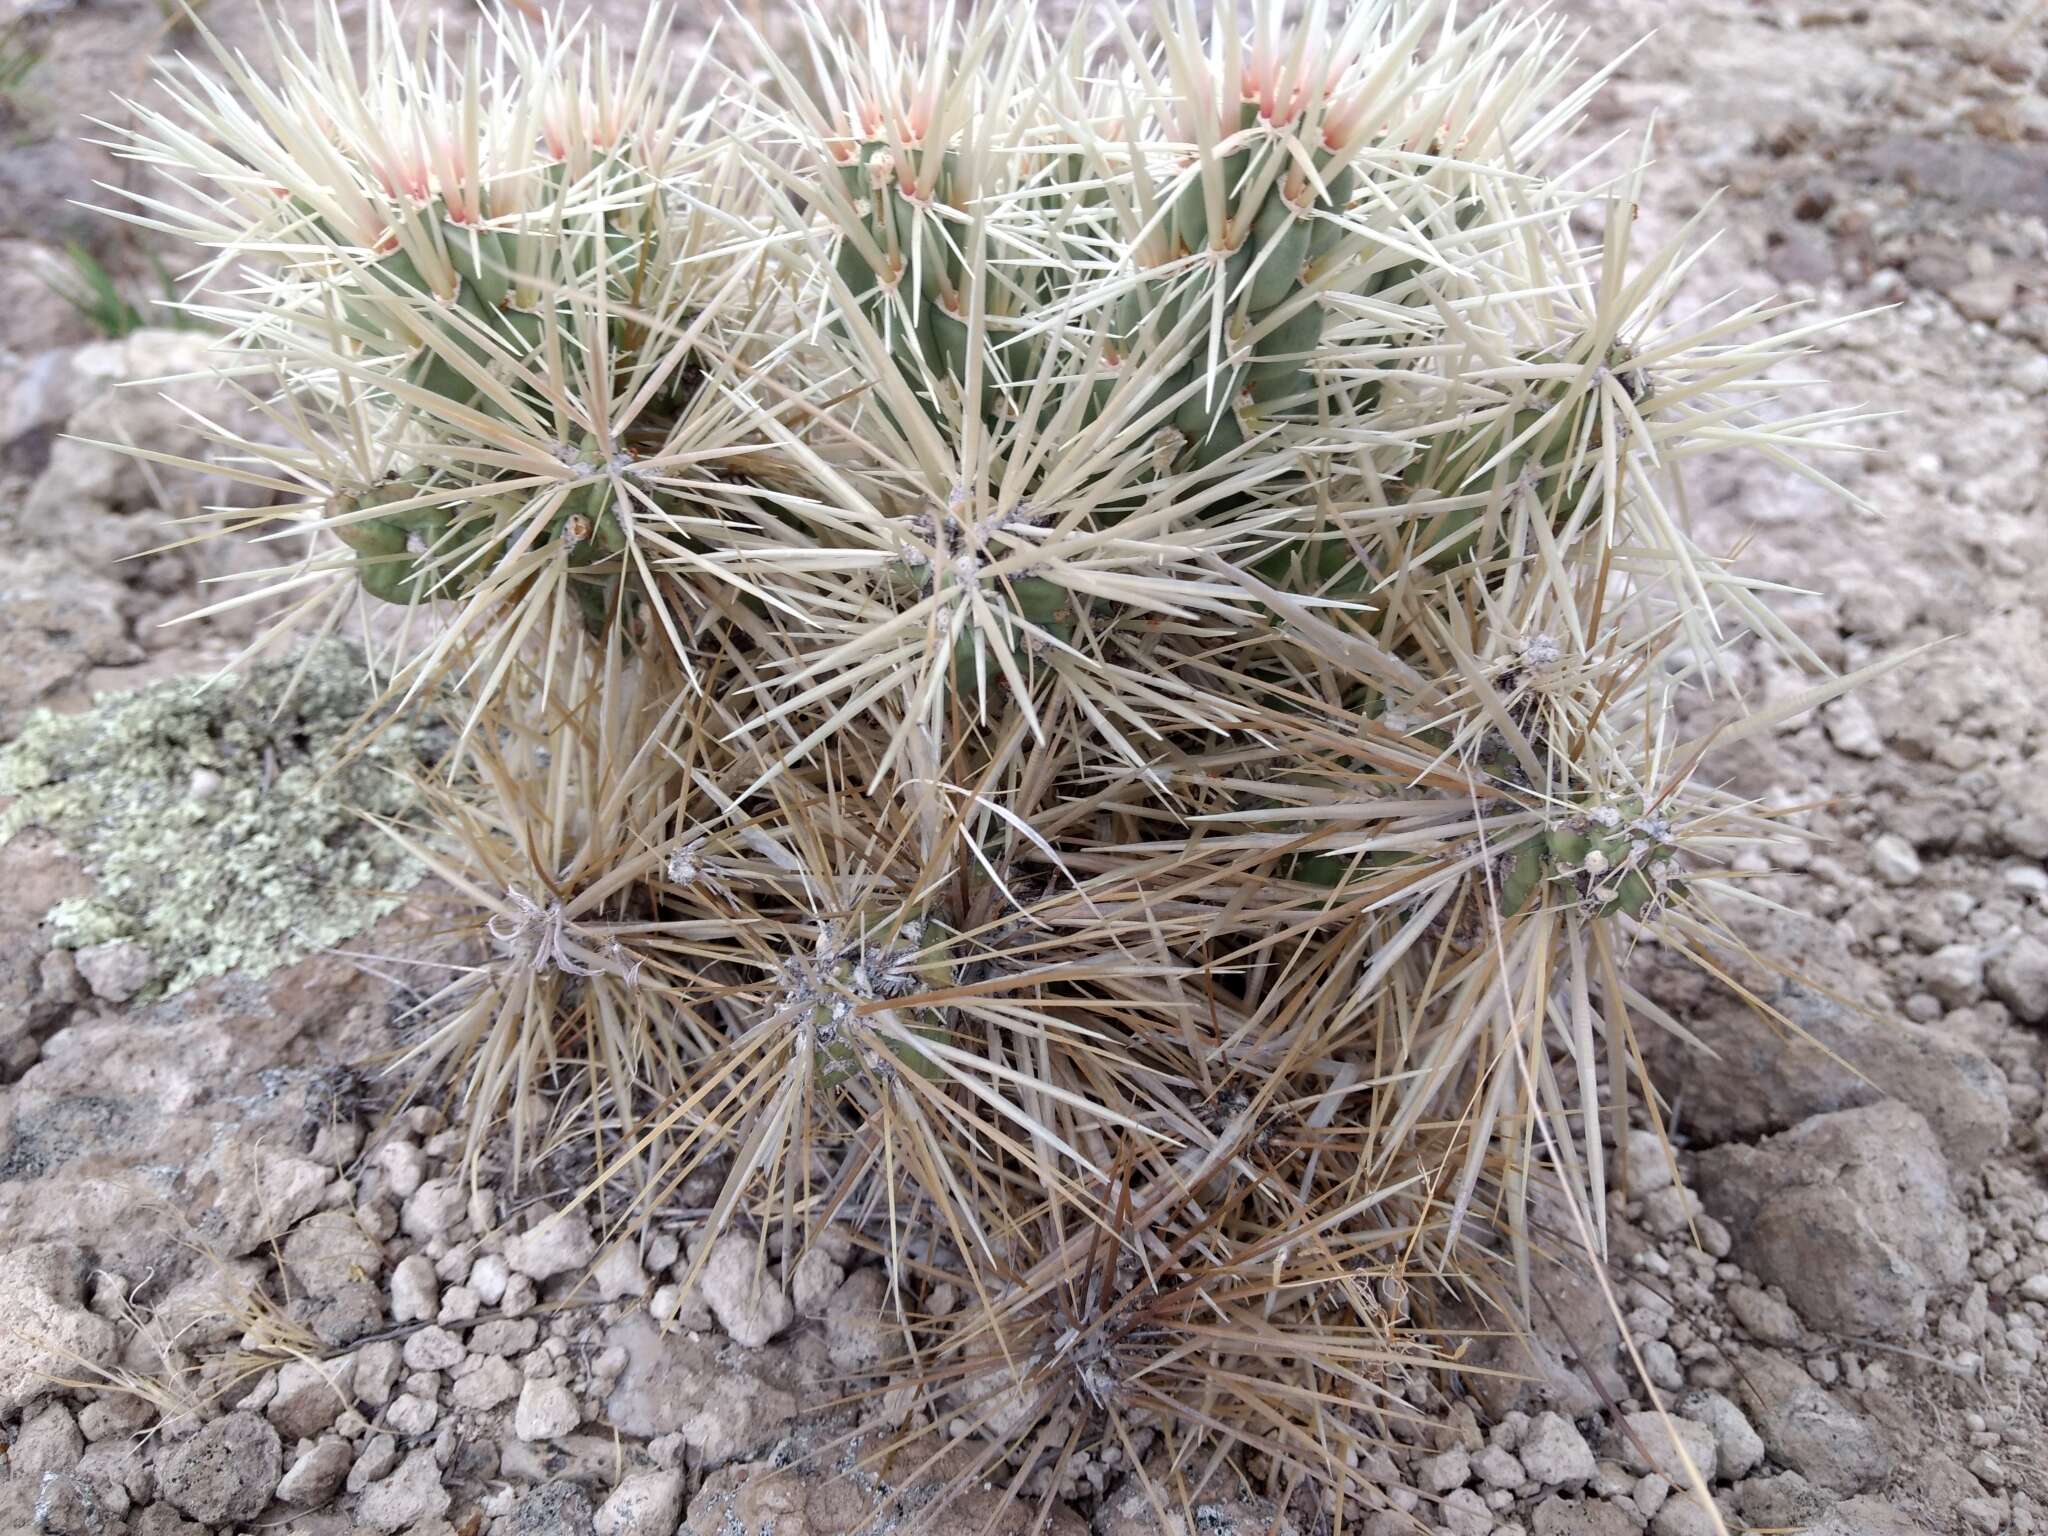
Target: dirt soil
x,y
1844,1293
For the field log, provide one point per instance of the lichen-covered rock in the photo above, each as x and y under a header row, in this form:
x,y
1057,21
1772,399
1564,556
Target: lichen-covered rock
x,y
1850,1213
559,1508
218,828
226,1473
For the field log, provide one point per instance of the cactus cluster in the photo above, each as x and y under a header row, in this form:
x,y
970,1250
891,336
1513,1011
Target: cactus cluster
x,y
1066,653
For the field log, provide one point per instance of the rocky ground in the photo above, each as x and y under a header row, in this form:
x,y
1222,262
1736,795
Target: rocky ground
x,y
243,1289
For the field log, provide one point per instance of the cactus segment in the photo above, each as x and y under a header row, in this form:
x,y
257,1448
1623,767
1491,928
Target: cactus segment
x,y
848,1048
1610,859
1024,604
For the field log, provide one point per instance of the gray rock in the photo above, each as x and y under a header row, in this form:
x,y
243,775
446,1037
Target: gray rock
x,y
1682,1515
1851,1213
1651,1442
48,1441
120,1471
377,1367
411,1415
433,1348
1763,1317
1738,1448
415,1291
741,1293
504,1336
547,1411
1761,1079
1464,1513
674,1385
115,971
1499,1468
1866,1516
45,1330
618,1274
1441,1473
2018,974
310,1396
856,1331
350,1312
1592,1517
328,1252
1670,1210
226,1473
1852,730
488,1277
408,1496
1649,1165
1807,1428
1894,860
494,1381
434,1209
812,1280
645,1504
379,1454
1649,1494
1954,973
404,1166
318,1475
261,1196
162,1520
459,1304
556,1244
56,625
1554,1453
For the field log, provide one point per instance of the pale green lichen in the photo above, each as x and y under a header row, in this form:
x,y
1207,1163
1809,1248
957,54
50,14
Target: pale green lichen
x,y
219,831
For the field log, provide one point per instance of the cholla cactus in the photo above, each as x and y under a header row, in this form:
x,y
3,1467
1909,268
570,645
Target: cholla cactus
x,y
1069,653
